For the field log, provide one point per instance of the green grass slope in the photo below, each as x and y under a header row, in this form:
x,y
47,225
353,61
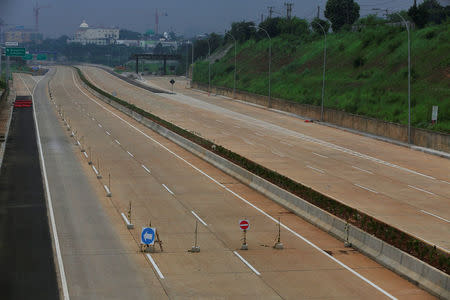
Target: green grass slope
x,y
366,72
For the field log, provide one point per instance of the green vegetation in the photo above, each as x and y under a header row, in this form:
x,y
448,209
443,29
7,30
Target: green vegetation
x,y
427,253
366,71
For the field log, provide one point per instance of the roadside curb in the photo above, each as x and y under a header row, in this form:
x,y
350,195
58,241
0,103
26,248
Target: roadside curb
x,y
425,276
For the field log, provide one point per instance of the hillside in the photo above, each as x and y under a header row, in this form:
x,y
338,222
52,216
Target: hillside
x,y
366,72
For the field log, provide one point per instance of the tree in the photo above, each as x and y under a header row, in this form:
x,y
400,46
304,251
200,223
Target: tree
x,y
418,14
242,31
325,24
125,34
294,26
341,12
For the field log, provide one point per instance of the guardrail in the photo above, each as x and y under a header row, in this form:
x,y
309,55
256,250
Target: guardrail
x,y
419,262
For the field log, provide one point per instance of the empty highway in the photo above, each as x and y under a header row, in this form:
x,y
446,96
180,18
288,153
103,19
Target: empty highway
x,y
402,187
173,189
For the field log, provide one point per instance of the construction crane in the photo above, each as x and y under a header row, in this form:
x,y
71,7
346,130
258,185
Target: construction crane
x,y
36,10
157,15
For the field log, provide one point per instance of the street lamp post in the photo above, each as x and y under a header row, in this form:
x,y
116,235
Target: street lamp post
x,y
235,64
406,23
209,67
324,68
192,74
270,62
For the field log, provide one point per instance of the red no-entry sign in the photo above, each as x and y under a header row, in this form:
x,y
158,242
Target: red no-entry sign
x,y
244,224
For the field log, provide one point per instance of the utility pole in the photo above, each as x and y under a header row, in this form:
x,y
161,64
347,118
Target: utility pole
x,y
270,8
318,11
288,9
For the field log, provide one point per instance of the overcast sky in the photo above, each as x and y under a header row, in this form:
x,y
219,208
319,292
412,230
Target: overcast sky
x,y
183,16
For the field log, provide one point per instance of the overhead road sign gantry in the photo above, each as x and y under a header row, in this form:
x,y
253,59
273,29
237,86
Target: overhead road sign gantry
x,y
15,52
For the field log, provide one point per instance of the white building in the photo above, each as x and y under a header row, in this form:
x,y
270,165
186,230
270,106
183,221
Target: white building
x,y
98,36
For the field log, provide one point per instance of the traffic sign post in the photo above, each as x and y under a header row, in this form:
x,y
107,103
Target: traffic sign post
x,y
41,57
148,235
244,225
15,52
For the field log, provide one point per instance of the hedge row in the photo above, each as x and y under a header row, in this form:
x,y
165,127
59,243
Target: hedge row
x,y
393,236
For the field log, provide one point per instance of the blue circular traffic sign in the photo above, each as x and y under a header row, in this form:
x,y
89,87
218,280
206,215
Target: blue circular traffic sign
x,y
148,235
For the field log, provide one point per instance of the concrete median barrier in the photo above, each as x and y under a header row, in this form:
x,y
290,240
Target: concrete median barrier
x,y
425,276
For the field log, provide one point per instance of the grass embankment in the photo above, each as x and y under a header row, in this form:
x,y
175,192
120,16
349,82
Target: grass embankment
x,y
393,236
367,72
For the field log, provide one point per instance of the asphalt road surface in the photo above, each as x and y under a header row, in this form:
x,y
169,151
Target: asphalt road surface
x,y
405,188
97,261
26,254
173,189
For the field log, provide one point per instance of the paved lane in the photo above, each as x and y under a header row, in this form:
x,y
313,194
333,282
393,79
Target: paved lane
x,y
97,263
172,188
405,188
26,254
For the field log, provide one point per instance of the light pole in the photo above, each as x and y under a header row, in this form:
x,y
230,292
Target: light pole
x,y
324,67
192,75
409,72
209,67
270,62
187,62
235,64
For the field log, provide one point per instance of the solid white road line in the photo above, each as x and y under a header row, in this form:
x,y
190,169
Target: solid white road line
x,y
276,221
168,189
125,219
107,132
320,155
200,219
247,263
145,168
62,273
315,169
362,170
117,142
445,181
155,266
443,219
365,188
130,154
419,189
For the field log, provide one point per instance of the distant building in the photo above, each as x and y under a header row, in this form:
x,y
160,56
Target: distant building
x,y
86,35
22,35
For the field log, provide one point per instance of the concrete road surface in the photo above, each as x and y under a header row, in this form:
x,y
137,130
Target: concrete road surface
x,y
173,189
97,260
405,188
